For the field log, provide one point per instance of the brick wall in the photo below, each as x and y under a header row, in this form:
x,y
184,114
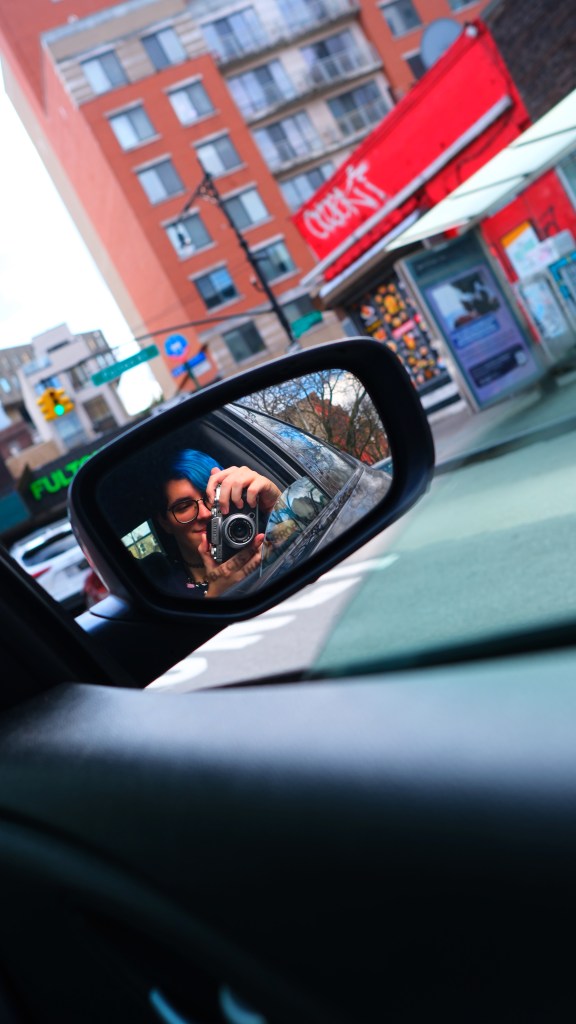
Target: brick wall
x,y
537,39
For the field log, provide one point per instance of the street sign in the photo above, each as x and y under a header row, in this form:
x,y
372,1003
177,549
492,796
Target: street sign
x,y
304,323
197,365
117,369
175,345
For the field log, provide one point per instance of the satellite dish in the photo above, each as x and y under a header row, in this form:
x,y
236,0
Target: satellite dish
x,y
437,37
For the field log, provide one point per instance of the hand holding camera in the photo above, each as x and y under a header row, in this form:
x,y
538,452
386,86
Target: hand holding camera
x,y
228,534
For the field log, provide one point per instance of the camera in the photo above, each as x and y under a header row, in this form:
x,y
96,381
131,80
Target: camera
x,y
228,534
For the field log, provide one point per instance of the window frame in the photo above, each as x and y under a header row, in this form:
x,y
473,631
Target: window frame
x,y
208,274
390,4
167,62
213,141
183,88
153,167
125,112
262,347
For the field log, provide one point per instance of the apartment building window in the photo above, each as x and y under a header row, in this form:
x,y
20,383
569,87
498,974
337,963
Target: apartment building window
x,y
458,5
190,102
104,72
284,141
401,17
216,288
164,48
243,342
132,127
331,58
274,260
261,88
100,415
234,35
188,234
218,156
301,187
415,63
160,181
301,13
358,109
298,308
246,209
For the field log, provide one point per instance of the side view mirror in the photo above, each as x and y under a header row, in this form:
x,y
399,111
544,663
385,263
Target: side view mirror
x,y
246,491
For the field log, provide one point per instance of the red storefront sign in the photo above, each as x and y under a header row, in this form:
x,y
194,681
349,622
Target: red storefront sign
x,y
464,111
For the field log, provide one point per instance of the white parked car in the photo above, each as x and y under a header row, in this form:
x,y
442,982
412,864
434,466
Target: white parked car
x,y
53,556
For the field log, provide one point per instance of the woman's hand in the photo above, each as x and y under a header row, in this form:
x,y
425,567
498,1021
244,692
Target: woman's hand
x,y
221,577
234,481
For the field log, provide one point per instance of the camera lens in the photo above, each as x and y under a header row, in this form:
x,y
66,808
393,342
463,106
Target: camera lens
x,y
239,530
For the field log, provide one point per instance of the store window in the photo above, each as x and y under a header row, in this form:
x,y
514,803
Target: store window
x,y
132,127
160,181
246,209
235,35
188,234
388,313
401,16
298,189
216,288
286,140
164,48
358,109
190,102
274,260
243,342
104,72
218,156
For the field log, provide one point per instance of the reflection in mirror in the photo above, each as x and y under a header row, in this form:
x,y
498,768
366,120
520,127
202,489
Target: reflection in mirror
x,y
223,505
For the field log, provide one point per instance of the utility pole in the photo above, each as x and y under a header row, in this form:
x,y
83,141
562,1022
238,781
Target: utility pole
x,y
207,190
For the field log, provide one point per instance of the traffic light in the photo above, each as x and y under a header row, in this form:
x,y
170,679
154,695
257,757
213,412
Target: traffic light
x,y
54,403
62,403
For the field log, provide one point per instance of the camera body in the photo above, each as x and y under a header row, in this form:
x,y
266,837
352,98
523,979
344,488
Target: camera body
x,y
229,534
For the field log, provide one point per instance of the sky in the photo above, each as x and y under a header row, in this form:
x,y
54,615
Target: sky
x,y
47,275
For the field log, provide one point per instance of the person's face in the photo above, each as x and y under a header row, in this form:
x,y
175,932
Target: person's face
x,y
190,533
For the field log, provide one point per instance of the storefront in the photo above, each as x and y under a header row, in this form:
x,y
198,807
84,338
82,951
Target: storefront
x,y
364,222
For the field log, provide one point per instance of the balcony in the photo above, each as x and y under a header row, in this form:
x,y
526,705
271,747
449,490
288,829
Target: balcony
x,y
362,119
322,75
319,14
285,155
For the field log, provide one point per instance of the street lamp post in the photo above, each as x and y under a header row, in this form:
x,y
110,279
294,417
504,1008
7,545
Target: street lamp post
x,y
207,190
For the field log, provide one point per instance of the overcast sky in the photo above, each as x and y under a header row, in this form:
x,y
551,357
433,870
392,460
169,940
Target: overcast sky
x,y
47,276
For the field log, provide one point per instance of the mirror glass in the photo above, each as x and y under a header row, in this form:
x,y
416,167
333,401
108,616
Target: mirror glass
x,y
221,506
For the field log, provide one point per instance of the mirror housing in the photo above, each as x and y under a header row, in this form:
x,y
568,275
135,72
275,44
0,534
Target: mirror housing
x,y
411,449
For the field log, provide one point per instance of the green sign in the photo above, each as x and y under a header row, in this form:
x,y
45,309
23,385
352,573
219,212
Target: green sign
x,y
304,323
117,369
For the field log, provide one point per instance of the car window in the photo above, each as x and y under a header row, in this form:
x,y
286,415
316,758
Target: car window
x,y
324,464
51,547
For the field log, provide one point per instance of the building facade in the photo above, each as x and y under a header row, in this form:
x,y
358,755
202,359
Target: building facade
x,y
64,360
132,104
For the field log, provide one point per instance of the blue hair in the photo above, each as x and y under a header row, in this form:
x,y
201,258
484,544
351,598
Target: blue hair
x,y
194,466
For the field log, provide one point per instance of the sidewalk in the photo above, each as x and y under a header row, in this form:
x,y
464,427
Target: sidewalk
x,y
461,435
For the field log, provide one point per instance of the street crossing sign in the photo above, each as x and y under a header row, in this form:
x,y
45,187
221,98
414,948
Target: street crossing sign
x,y
117,369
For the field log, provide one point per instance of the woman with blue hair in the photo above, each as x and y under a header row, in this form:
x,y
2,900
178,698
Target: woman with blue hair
x,y
185,498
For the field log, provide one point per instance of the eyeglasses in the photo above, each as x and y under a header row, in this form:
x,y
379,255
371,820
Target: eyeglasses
x,y
186,510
